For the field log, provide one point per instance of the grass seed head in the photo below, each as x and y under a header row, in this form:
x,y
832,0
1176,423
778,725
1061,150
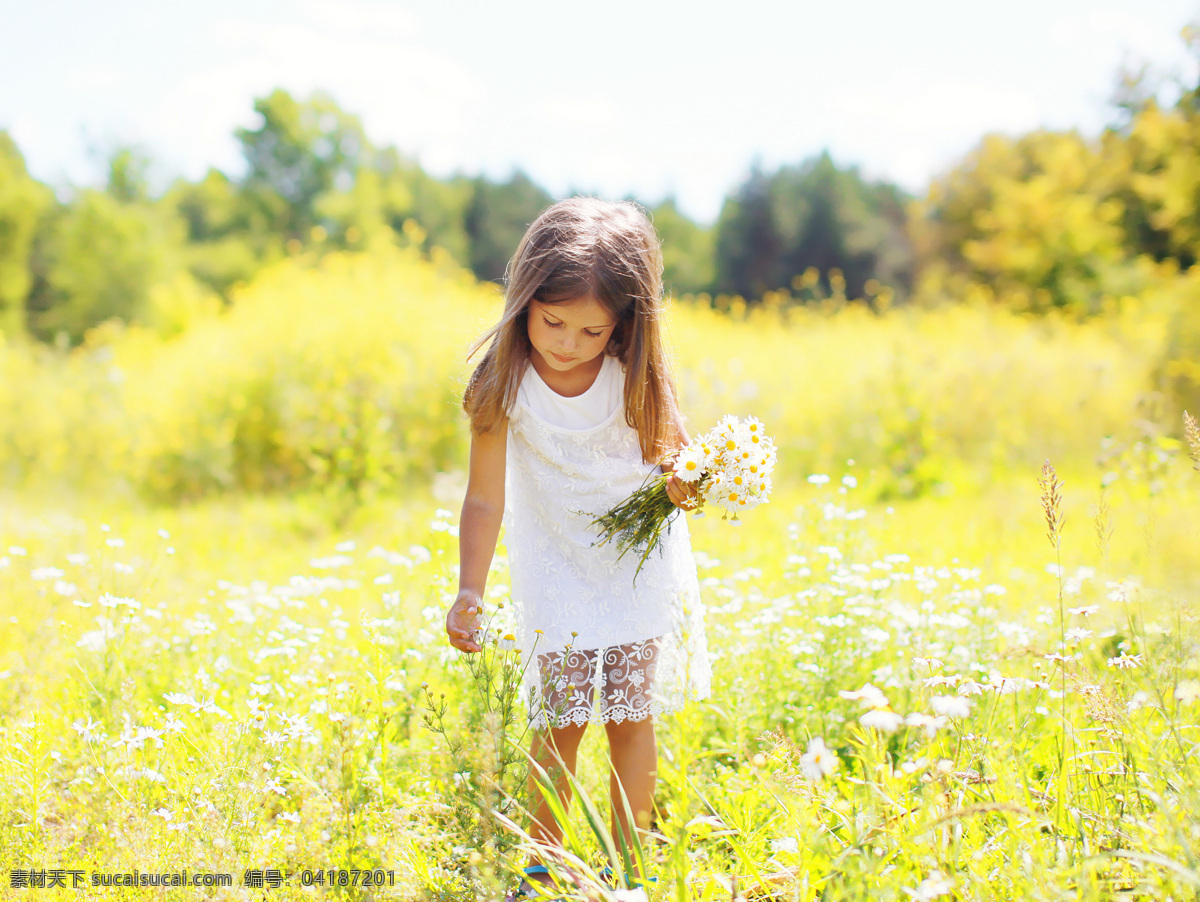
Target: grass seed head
x,y
1191,432
1052,502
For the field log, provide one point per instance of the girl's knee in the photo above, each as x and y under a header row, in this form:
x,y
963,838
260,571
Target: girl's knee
x,y
563,738
630,730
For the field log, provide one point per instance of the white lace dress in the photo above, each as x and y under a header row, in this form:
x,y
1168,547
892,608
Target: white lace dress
x,y
597,646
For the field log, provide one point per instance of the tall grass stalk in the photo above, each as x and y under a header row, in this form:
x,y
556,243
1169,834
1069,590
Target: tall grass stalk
x,y
1052,510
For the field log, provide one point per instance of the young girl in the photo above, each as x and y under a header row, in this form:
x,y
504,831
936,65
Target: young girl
x,y
572,407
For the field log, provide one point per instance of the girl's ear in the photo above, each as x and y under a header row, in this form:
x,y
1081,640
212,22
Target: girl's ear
x,y
617,343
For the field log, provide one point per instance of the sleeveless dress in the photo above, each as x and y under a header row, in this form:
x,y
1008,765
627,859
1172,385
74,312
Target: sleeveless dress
x,y
597,647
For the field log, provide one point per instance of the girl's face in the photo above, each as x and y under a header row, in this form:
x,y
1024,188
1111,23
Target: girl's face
x,y
569,334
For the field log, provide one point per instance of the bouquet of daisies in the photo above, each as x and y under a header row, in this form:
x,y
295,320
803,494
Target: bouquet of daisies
x,y
731,465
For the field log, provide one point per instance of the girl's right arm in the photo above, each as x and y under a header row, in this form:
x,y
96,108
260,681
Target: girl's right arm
x,y
478,531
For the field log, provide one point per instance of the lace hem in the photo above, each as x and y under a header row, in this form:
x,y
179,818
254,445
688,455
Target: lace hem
x,y
615,714
580,716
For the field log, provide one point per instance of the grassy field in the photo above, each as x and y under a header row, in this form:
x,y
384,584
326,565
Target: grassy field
x,y
223,647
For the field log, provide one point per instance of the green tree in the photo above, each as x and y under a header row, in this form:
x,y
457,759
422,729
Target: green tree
x,y
221,247
1032,218
688,265
814,215
301,151
100,256
748,243
23,202
102,260
128,175
497,215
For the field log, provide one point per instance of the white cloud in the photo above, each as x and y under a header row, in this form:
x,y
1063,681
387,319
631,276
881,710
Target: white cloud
x,y
358,18
95,79
404,93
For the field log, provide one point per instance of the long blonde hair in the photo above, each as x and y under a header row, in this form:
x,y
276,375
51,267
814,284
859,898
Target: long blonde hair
x,y
579,246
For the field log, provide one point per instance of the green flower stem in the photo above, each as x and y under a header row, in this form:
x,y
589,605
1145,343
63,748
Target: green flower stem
x,y
637,522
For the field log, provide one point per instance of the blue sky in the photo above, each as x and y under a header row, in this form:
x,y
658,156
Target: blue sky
x,y
616,97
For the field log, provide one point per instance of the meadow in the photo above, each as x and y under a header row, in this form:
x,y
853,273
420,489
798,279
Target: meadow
x,y
941,669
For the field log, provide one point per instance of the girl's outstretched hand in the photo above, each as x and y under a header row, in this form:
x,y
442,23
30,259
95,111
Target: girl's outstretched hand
x,y
463,619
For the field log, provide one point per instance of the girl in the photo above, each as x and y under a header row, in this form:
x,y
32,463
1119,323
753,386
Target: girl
x,y
572,407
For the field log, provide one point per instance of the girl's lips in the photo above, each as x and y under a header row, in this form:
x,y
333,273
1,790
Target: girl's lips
x,y
561,359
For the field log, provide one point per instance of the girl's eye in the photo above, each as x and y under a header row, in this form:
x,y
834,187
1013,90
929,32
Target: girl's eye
x,y
586,332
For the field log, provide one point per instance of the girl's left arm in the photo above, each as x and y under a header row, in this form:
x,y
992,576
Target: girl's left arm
x,y
679,439
682,494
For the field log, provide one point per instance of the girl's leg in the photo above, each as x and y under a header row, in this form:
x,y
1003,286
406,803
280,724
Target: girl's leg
x,y
634,751
556,751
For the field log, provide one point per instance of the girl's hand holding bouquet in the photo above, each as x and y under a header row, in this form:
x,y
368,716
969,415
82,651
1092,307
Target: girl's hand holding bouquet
x,y
729,466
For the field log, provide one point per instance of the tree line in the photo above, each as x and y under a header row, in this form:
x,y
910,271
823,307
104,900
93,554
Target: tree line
x,y
1041,221
313,180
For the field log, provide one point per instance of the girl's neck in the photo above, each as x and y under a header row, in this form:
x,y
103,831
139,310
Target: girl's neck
x,y
572,383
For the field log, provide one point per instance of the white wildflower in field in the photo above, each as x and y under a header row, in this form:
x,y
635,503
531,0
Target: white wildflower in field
x,y
1125,660
113,601
290,816
135,739
940,681
951,705
787,844
1076,633
910,767
90,731
868,695
882,719
296,727
96,640
818,762
931,887
1188,692
927,723
1085,611
970,687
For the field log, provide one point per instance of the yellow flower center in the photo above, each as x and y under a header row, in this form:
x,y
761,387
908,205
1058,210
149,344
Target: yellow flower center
x,y
691,465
